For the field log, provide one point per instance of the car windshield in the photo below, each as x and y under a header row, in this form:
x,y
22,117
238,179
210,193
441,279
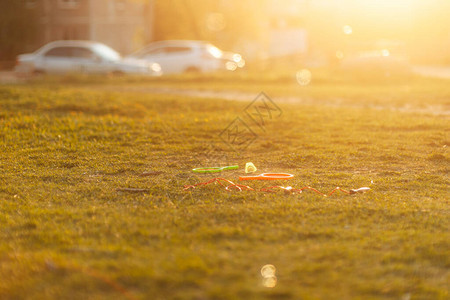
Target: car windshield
x,y
106,52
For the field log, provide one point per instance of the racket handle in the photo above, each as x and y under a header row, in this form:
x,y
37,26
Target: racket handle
x,y
360,190
231,167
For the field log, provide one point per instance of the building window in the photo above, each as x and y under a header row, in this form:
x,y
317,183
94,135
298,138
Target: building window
x,y
68,3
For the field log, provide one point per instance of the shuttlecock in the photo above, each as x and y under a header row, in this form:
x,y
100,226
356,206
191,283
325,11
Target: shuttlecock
x,y
250,167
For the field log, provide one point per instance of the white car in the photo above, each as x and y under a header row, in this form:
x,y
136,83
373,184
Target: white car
x,y
81,57
178,56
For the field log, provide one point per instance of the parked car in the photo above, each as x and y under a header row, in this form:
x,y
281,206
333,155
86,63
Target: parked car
x,y
178,56
81,57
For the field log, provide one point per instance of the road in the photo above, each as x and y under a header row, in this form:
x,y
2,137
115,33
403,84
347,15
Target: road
x,y
432,71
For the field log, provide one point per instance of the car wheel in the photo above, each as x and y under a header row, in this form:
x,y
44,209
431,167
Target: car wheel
x,y
192,69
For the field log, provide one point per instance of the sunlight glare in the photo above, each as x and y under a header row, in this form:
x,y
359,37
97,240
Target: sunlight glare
x,y
270,281
268,270
385,52
268,274
214,51
304,77
385,6
231,66
347,29
237,57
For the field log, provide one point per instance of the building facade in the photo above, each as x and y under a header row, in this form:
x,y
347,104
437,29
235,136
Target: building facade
x,y
125,25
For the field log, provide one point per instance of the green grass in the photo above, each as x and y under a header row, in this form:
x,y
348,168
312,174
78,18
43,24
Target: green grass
x,y
68,144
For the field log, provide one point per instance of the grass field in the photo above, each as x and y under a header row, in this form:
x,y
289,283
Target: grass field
x,y
68,231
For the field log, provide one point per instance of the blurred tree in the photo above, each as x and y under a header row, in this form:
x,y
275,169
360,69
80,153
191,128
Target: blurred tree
x,y
430,38
18,28
226,23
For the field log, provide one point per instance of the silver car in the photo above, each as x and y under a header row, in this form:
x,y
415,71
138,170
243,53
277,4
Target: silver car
x,y
61,57
178,56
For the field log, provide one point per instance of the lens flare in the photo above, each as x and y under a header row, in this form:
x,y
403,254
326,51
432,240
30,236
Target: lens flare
x,y
270,282
231,66
347,29
268,273
304,77
339,54
155,67
268,270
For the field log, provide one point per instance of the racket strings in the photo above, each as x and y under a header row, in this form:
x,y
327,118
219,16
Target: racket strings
x,y
288,189
229,186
